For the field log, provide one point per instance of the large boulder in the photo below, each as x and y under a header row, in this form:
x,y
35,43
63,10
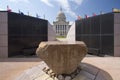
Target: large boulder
x,y
62,57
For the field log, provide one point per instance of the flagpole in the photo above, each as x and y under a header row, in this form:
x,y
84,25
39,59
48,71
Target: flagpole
x,y
19,11
44,16
8,9
28,13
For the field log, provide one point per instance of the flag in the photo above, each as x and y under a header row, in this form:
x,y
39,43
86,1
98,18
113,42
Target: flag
x,y
37,16
86,16
78,17
8,9
115,10
20,12
94,14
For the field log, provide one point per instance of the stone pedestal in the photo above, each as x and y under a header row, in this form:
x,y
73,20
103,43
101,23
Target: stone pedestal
x,y
62,57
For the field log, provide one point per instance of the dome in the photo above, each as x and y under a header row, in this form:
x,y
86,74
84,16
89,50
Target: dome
x,y
61,16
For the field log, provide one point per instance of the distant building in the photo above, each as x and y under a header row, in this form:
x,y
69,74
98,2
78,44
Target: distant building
x,y
61,26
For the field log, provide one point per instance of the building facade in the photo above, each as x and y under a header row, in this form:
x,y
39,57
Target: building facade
x,y
61,26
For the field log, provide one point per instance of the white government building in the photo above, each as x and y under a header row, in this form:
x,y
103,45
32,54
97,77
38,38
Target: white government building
x,y
61,26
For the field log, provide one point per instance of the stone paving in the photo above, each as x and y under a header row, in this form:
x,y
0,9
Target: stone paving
x,y
95,68
88,72
10,68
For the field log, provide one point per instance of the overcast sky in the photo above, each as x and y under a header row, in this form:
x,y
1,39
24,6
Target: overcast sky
x,y
50,8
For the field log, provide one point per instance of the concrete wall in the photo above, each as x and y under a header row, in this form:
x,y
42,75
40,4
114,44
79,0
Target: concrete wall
x,y
3,35
117,34
51,33
71,33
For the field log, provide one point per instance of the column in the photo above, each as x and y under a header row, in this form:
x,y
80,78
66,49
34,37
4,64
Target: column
x,y
56,29
62,30
65,29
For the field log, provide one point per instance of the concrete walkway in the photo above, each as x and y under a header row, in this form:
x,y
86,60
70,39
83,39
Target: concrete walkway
x,y
111,65
12,67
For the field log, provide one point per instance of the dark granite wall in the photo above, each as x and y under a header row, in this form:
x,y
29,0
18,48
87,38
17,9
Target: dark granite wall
x,y
25,33
97,32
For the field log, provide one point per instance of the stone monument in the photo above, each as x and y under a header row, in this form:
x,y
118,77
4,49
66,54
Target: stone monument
x,y
62,57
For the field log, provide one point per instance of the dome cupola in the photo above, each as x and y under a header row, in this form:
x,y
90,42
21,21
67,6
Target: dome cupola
x,y
61,16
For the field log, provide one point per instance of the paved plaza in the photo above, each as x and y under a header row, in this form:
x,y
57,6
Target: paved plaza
x,y
11,68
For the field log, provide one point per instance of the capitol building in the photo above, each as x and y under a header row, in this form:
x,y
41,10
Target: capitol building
x,y
61,26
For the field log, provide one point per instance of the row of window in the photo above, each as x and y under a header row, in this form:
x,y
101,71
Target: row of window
x,y
61,27
58,31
